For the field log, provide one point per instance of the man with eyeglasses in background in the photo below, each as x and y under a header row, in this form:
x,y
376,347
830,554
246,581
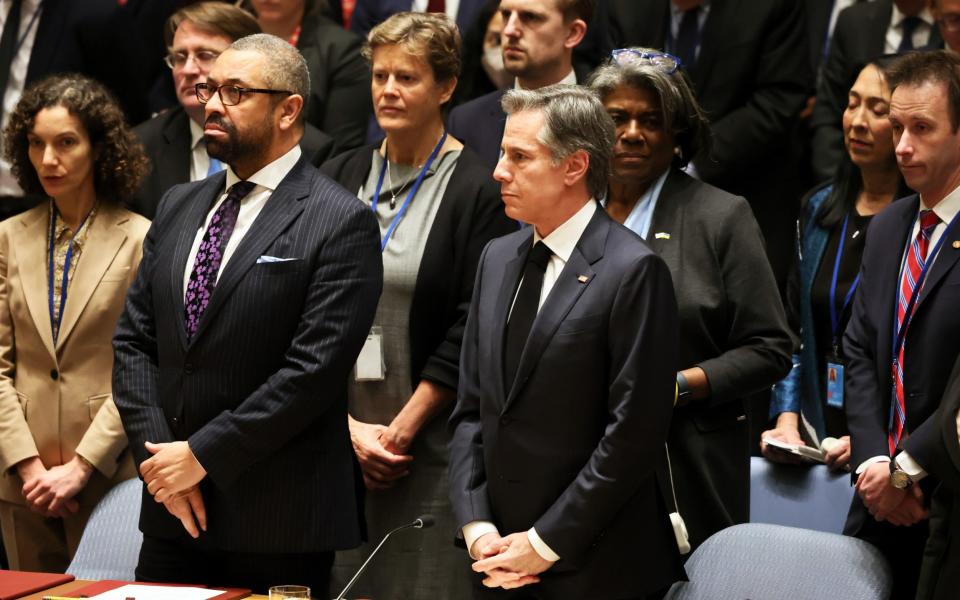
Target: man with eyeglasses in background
x,y
195,36
256,291
946,14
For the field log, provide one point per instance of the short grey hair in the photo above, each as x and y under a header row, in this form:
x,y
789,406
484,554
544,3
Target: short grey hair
x,y
573,119
286,68
682,113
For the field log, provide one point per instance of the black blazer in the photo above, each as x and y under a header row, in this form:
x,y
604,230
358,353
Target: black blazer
x,y
339,103
260,392
858,37
573,446
97,38
470,215
166,138
732,325
933,343
940,576
752,78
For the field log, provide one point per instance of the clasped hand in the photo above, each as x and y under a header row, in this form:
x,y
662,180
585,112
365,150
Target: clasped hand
x,y
51,492
380,454
887,503
172,476
509,562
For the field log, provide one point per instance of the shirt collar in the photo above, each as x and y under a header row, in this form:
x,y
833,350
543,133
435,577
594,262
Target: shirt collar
x,y
564,238
897,17
947,208
272,174
196,133
570,79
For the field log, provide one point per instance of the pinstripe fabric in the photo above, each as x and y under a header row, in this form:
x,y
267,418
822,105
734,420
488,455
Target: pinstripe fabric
x,y
260,390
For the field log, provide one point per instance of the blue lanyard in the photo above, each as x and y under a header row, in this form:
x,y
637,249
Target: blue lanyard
x,y
57,318
900,336
410,195
834,313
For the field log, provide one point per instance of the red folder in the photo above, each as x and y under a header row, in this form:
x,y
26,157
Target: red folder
x,y
108,584
17,584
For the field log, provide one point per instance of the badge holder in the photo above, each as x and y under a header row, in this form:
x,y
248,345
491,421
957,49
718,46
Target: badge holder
x,y
371,365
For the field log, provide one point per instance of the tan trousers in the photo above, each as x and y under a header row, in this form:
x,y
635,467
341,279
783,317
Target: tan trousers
x,y
37,543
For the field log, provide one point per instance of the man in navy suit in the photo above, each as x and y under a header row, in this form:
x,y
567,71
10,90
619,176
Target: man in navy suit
x,y
257,289
904,333
537,44
567,375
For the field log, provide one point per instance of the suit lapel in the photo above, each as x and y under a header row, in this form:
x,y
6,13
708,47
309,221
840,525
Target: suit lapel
x,y
667,214
508,289
102,243
876,27
573,280
282,207
53,17
30,246
714,33
195,210
890,275
173,162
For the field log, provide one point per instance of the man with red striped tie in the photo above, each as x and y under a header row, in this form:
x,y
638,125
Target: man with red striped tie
x,y
904,333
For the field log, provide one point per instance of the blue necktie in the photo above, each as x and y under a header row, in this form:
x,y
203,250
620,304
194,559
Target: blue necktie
x,y
908,26
688,37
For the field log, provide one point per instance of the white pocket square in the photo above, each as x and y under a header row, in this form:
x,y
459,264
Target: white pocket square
x,y
273,259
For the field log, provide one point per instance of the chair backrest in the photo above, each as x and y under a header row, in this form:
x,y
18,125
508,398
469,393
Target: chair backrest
x,y
771,562
110,546
804,496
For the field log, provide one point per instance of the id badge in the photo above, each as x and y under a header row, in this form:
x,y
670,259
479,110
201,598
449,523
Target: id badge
x,y
370,363
834,383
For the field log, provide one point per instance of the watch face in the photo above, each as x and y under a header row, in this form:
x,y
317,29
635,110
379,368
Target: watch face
x,y
899,480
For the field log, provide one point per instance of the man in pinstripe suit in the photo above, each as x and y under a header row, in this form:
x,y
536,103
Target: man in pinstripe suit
x,y
256,291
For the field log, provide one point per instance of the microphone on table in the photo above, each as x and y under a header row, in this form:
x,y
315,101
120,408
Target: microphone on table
x,y
421,522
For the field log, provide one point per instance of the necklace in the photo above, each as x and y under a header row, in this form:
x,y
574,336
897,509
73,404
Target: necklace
x,y
394,193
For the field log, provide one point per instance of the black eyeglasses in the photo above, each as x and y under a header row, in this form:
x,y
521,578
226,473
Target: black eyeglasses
x,y
230,95
661,61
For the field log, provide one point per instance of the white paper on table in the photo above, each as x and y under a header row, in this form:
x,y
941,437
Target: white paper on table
x,y
157,592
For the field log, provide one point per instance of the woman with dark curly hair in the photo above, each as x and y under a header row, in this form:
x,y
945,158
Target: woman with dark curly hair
x,y
64,271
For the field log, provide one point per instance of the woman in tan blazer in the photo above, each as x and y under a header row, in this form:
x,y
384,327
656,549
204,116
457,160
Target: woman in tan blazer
x,y
65,267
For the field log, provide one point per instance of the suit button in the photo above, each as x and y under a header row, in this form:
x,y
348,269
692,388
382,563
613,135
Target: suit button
x,y
504,421
54,375
188,368
176,421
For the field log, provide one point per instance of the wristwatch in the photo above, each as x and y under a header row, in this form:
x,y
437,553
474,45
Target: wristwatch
x,y
898,477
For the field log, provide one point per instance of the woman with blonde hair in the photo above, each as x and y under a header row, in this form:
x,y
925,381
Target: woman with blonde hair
x,y
438,207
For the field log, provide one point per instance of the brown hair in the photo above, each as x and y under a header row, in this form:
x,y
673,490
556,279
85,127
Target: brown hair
x,y
218,18
430,36
120,162
918,68
577,9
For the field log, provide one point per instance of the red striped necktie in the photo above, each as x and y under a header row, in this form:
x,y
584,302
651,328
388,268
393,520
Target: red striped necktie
x,y
916,258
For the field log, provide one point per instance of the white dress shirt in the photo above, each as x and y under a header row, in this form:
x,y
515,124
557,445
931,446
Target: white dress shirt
x,y
561,243
946,209
266,179
921,35
29,23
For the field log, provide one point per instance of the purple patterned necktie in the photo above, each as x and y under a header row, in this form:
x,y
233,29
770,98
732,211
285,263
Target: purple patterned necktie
x,y
206,265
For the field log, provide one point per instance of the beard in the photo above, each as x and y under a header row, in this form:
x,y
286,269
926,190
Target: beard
x,y
236,146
